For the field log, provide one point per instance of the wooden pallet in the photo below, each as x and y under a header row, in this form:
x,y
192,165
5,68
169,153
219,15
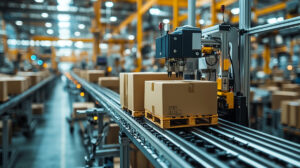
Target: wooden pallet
x,y
183,121
134,113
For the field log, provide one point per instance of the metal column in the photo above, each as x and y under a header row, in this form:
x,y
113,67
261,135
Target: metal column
x,y
245,24
191,12
124,150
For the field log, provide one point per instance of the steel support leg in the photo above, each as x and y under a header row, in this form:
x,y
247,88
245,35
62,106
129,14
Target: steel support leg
x,y
124,150
5,139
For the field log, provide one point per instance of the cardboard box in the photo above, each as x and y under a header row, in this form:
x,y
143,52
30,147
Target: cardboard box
x,y
81,106
93,75
124,90
136,87
113,134
279,96
110,82
181,98
37,108
137,158
3,91
294,115
15,85
83,74
285,112
35,77
291,87
9,131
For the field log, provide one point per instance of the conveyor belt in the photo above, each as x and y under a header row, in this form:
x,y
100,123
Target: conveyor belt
x,y
17,99
225,145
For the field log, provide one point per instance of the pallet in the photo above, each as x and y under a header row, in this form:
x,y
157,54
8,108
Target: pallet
x,y
134,113
183,121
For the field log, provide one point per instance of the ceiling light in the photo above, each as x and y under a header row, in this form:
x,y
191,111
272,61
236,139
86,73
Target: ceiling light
x,y
44,15
131,37
235,11
63,17
64,24
39,1
154,11
166,21
272,20
77,33
48,24
113,18
103,46
81,26
50,31
109,4
201,21
127,51
79,44
19,23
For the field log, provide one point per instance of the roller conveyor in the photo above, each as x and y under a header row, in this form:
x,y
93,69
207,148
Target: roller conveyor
x,y
225,145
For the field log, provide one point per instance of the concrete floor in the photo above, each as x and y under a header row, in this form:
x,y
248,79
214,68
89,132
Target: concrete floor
x,y
52,145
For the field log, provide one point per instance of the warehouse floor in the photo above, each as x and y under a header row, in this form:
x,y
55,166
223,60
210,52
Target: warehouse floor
x,y
52,145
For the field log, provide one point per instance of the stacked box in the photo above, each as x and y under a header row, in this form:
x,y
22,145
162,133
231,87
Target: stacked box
x,y
3,91
83,74
110,82
93,75
81,106
279,96
123,90
37,108
136,87
294,115
168,99
285,109
137,158
35,77
113,134
291,87
15,85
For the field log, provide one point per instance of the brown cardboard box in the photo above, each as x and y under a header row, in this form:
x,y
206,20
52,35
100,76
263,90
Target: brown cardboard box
x,y
110,82
181,98
116,162
252,96
37,108
269,88
113,134
93,75
136,87
81,106
9,132
83,74
137,158
3,91
15,85
294,116
123,90
285,109
291,87
76,71
35,77
279,96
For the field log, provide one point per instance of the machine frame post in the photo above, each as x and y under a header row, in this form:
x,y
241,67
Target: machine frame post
x,y
124,150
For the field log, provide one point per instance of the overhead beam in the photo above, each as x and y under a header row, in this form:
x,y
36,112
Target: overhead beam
x,y
133,16
181,3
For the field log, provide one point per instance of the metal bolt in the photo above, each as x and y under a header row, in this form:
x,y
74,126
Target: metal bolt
x,y
159,53
197,53
174,51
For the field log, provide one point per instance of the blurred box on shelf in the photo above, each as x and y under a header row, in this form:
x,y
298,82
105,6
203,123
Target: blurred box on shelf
x,y
279,96
294,115
291,87
83,74
37,108
35,77
81,106
93,75
137,158
168,99
113,134
110,83
136,87
9,125
269,88
15,85
3,91
77,71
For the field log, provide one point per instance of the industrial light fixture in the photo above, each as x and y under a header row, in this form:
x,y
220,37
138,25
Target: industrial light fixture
x,y
50,31
64,24
275,20
44,15
235,11
154,11
81,26
113,18
39,1
131,37
77,33
103,46
79,44
48,24
201,21
64,33
166,21
19,23
63,17
109,4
